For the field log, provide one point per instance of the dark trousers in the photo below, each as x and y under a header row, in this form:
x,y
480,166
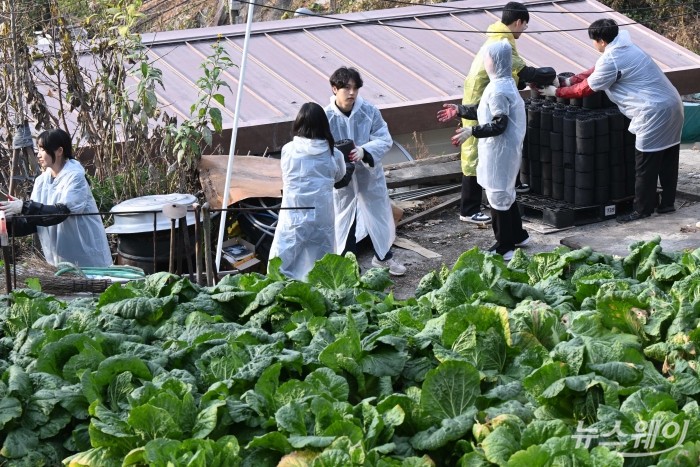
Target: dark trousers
x,y
470,203
507,228
351,244
650,167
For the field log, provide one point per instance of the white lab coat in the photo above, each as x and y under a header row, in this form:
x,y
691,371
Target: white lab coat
x,y
500,156
366,197
634,82
80,240
303,236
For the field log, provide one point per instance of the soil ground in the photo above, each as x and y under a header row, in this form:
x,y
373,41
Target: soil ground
x,y
444,233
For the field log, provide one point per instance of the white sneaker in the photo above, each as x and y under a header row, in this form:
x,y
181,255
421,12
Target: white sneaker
x,y
522,188
524,242
507,256
395,268
478,218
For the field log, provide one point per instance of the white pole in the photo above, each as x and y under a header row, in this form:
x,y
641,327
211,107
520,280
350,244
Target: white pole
x,y
234,133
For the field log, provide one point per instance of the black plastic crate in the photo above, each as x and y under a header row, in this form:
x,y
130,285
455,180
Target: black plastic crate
x,y
560,214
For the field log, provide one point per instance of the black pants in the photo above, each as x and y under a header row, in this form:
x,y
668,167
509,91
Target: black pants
x,y
470,203
650,167
507,228
351,244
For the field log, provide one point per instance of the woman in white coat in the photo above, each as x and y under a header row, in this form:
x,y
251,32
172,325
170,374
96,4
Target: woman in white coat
x,y
60,190
310,167
501,130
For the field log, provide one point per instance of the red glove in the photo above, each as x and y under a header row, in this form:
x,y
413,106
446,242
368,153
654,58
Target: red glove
x,y
448,113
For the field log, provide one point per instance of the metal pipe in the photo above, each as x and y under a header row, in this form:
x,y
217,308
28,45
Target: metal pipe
x,y
234,131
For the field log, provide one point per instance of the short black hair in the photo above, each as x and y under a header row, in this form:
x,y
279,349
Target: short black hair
x,y
312,123
50,140
513,11
605,29
343,75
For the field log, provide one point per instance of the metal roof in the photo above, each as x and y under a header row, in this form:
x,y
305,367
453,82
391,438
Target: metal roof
x,y
411,59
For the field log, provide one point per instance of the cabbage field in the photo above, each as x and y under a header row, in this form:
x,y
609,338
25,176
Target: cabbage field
x,y
567,358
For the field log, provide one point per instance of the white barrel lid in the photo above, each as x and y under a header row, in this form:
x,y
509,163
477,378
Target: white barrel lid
x,y
138,213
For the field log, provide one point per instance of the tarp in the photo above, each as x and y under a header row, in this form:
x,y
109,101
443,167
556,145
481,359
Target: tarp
x,y
691,124
253,177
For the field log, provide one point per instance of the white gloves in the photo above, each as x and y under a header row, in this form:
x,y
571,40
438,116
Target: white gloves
x,y
461,135
549,91
11,208
556,83
357,154
448,112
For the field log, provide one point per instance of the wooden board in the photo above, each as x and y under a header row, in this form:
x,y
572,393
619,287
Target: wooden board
x,y
407,244
453,200
253,177
425,173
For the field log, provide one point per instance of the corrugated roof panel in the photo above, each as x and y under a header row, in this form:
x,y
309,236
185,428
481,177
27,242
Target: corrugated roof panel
x,y
354,46
263,94
666,53
318,59
422,76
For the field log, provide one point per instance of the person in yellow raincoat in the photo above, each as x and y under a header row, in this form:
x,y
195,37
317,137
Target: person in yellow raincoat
x,y
514,21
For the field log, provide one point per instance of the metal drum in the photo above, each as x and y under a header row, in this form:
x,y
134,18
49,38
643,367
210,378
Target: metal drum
x,y
138,244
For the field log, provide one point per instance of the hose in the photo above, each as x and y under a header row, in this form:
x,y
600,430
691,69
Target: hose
x,y
119,272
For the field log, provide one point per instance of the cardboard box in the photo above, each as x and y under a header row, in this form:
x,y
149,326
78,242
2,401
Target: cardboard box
x,y
237,251
250,265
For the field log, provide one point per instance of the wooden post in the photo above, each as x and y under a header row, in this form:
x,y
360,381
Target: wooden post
x,y
206,228
197,241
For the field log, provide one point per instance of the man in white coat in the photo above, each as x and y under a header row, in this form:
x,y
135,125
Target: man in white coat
x,y
362,208
641,90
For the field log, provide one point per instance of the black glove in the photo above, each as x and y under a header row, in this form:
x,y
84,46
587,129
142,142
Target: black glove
x,y
345,181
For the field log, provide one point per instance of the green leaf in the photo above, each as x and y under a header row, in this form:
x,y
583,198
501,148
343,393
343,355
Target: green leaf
x,y
207,135
153,422
335,272
329,384
534,323
539,431
376,279
541,382
273,440
18,382
291,418
450,390
10,408
460,288
216,119
219,98
207,420
304,295
500,444
145,309
627,374
19,442
448,430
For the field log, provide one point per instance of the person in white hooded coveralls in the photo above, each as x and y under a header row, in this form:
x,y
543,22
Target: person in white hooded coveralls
x,y
633,81
363,207
500,134
310,167
61,189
